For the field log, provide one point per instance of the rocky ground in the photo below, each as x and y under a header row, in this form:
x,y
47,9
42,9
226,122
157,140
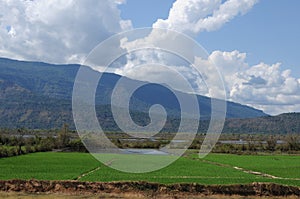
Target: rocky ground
x,y
79,189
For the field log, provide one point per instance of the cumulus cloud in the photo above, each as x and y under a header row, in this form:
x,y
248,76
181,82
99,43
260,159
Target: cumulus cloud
x,y
56,31
168,56
203,15
262,86
187,16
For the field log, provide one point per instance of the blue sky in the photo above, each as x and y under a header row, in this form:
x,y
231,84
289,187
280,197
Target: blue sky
x,y
144,13
269,32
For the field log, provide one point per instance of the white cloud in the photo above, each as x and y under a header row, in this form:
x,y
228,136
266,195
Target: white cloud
x,y
166,62
187,16
203,15
56,31
262,86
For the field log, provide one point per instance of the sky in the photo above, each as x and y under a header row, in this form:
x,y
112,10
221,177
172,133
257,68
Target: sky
x,y
269,32
254,43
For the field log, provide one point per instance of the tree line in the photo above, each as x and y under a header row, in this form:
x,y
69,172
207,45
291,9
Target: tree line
x,y
18,144
290,143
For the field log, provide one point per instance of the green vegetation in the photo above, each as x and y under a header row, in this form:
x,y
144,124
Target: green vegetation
x,y
19,144
46,166
183,170
284,166
22,141
254,144
71,166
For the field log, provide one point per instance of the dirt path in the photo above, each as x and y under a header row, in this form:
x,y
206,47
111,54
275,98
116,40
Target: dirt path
x,y
87,173
94,170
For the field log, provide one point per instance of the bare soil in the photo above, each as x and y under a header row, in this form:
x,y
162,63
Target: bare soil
x,y
75,189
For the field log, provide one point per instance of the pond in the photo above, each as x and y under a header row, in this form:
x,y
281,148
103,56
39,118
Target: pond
x,y
144,151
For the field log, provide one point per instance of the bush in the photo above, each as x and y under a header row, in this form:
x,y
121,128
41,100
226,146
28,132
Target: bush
x,y
12,151
77,145
29,149
3,152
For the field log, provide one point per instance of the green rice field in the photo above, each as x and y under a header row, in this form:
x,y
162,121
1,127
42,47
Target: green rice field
x,y
213,169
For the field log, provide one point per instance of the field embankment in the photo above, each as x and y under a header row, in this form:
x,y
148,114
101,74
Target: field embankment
x,y
147,189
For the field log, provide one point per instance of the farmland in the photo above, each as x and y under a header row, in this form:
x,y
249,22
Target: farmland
x,y
46,166
214,169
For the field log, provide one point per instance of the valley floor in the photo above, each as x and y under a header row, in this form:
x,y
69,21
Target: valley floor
x,y
228,174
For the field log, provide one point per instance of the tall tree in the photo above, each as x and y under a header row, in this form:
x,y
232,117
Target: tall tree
x,y
63,136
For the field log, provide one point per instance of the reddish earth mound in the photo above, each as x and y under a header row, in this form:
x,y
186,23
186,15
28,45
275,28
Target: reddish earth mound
x,y
146,188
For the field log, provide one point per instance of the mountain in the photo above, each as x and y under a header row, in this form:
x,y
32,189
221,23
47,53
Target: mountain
x,y
280,124
39,95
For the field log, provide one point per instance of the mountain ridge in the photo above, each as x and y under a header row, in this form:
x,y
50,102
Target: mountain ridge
x,y
42,93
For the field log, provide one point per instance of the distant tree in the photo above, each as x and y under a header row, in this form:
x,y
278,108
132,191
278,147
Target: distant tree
x,y
251,143
63,137
20,141
271,143
77,145
293,142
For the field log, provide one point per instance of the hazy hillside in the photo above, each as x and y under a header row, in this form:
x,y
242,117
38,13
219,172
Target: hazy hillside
x,y
38,95
284,123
